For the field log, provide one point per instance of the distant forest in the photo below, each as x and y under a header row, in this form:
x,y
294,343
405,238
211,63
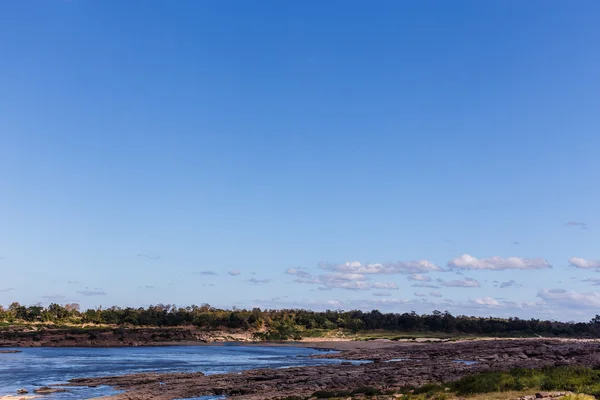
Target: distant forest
x,y
293,323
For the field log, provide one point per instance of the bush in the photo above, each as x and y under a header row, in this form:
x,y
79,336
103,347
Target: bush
x,y
576,379
325,394
367,390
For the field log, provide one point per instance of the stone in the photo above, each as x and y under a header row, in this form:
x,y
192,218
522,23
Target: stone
x,y
48,390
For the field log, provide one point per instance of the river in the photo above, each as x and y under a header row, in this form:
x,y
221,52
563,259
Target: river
x,y
35,367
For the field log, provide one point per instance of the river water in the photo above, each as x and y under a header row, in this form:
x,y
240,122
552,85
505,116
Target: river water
x,y
35,367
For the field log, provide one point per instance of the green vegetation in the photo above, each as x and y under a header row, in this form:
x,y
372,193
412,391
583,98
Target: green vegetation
x,y
585,382
295,323
575,379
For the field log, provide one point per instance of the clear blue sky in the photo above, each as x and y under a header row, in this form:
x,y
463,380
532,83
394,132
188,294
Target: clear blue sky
x,y
149,148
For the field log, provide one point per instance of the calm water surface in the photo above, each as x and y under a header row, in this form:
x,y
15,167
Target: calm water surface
x,y
36,367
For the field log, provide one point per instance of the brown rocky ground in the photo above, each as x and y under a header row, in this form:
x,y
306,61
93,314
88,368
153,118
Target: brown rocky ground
x,y
394,365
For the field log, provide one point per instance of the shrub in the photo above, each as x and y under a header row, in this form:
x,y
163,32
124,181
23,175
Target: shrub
x,y
325,394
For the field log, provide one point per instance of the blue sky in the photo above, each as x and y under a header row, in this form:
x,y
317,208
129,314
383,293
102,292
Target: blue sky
x,y
316,150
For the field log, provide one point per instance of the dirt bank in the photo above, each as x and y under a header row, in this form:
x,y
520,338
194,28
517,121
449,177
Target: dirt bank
x,y
395,365
113,337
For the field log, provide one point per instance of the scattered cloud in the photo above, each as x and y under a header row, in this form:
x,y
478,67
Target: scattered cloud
x,y
72,282
299,272
565,298
436,294
384,285
575,224
584,264
468,282
208,284
425,285
507,284
419,277
235,272
6,290
255,281
486,301
382,294
401,267
348,285
146,287
418,294
593,281
91,292
515,242
339,280
148,256
334,303
205,273
497,263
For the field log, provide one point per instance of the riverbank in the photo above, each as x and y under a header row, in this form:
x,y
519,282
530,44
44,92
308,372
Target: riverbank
x,y
35,336
394,367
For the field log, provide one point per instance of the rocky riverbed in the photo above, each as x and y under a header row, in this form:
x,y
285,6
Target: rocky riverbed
x,y
394,366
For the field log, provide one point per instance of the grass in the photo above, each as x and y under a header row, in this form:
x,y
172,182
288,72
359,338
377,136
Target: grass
x,y
575,379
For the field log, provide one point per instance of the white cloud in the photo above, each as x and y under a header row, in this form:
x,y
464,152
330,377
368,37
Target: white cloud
x,y
435,294
584,264
497,263
408,267
334,303
418,294
462,283
570,299
348,285
577,224
256,281
486,301
425,285
298,272
384,285
593,281
205,273
235,272
340,280
382,294
507,284
419,277
341,276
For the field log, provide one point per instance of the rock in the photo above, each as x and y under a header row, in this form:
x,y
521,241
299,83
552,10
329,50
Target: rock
x,y
48,390
550,395
422,363
22,391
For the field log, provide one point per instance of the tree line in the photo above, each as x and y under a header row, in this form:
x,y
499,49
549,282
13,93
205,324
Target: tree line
x,y
292,323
